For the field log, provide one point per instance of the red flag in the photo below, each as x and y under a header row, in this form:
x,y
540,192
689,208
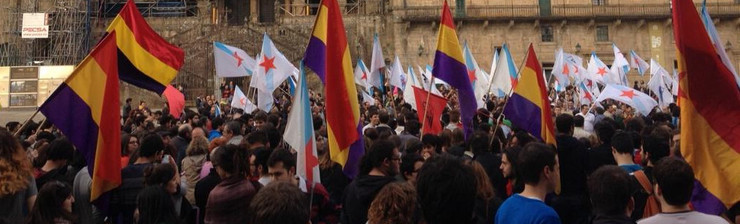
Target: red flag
x,y
434,110
175,99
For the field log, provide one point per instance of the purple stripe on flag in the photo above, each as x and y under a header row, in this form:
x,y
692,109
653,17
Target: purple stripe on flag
x,y
315,57
524,114
704,201
356,151
455,73
68,112
127,72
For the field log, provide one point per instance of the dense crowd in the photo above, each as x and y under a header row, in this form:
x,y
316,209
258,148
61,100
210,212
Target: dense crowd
x,y
220,165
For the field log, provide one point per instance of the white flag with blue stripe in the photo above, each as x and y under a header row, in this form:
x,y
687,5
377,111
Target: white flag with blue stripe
x,y
231,61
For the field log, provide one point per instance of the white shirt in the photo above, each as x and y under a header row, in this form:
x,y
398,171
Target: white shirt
x,y
690,217
588,122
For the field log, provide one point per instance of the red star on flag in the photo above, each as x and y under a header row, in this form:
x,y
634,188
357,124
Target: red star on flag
x,y
588,96
238,59
565,70
628,93
311,160
243,101
268,63
576,69
364,76
602,71
471,75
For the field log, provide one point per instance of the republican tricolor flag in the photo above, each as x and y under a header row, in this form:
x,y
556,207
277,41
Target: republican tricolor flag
x,y
710,112
299,133
85,107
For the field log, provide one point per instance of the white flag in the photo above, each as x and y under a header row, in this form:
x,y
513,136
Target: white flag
x,y
561,69
376,64
366,98
397,76
597,70
674,83
231,61
272,68
408,90
636,62
636,99
478,78
361,74
505,75
299,134
620,68
241,101
659,88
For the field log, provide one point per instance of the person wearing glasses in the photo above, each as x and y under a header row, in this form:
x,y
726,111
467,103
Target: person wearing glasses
x,y
378,167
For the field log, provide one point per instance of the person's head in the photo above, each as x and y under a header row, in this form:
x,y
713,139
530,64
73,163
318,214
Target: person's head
x,y
60,150
446,189
279,202
257,138
197,146
482,182
162,175
410,165
54,200
604,130
197,132
610,190
538,166
395,203
431,146
374,117
383,156
674,181
184,131
509,162
217,123
479,143
383,117
152,147
142,103
231,161
233,128
258,162
654,149
564,124
412,126
259,119
578,121
455,116
274,136
155,205
281,166
622,143
13,126
129,144
584,109
128,100
14,163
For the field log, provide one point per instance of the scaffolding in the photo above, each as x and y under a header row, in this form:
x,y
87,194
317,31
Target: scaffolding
x,y
68,40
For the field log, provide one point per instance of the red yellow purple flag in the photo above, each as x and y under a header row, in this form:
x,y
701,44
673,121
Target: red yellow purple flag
x,y
145,59
328,55
528,107
710,108
85,107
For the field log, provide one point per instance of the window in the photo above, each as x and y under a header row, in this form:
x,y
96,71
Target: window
x,y
598,2
602,33
546,31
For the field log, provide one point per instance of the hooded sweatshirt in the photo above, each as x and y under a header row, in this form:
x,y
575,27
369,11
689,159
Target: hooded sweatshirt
x,y
358,196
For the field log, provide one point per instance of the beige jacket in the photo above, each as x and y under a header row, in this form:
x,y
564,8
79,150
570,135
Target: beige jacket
x,y
192,165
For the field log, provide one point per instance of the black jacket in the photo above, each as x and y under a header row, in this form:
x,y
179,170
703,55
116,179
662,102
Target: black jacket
x,y
203,189
599,156
491,164
358,196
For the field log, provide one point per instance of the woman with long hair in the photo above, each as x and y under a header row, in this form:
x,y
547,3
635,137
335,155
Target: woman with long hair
x,y
129,144
53,205
229,200
395,203
193,163
17,186
486,202
155,206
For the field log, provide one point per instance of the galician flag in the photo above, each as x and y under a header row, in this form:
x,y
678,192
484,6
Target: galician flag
x,y
361,74
504,78
299,133
478,78
659,88
598,71
584,94
397,76
241,101
408,90
377,63
636,99
636,62
620,68
231,61
716,41
272,68
656,69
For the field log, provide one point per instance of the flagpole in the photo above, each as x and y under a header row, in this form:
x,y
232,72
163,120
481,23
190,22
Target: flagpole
x,y
25,123
426,103
507,97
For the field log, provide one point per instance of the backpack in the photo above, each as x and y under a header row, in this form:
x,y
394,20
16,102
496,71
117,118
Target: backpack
x,y
652,206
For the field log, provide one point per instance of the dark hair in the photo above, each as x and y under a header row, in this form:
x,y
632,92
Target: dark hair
x,y
657,148
260,116
60,149
317,122
412,145
622,142
184,130
383,117
523,138
232,159
432,140
578,121
675,178
446,188
261,155
610,190
128,100
635,124
159,174
273,135
379,151
284,156
604,130
564,123
217,122
279,202
234,127
125,139
532,159
257,136
150,145
412,127
407,163
156,206
479,143
49,203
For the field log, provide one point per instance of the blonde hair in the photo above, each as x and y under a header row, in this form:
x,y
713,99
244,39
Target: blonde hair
x,y
395,203
197,146
15,167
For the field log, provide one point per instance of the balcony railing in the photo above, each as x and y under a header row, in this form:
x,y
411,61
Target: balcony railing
x,y
370,7
480,12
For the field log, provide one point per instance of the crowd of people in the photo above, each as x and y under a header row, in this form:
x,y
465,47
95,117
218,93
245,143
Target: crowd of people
x,y
221,165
